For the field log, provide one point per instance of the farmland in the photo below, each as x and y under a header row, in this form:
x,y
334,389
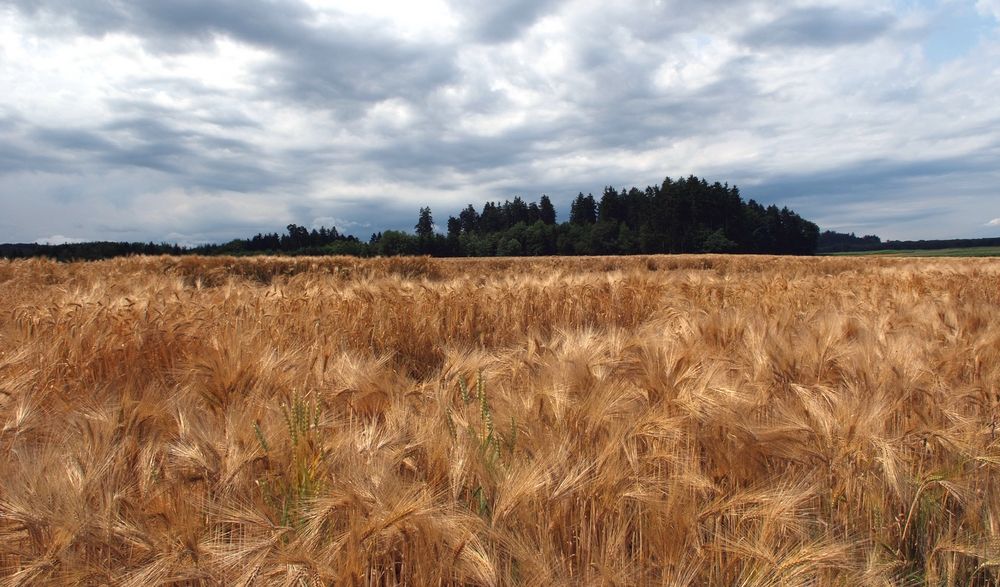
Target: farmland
x,y
664,420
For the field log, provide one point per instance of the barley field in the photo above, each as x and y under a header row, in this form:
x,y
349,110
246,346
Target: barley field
x,y
691,420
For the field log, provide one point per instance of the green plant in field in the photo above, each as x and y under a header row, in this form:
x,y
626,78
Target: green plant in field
x,y
493,448
301,478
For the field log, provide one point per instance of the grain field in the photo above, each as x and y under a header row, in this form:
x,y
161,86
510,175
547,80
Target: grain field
x,y
690,420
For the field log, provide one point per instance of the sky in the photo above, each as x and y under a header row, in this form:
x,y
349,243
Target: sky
x,y
198,121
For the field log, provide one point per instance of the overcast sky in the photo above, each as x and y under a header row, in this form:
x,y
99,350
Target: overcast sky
x,y
204,120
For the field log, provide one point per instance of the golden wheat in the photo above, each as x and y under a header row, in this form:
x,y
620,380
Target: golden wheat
x,y
701,420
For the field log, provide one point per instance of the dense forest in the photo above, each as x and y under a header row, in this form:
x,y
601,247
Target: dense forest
x,y
683,216
687,215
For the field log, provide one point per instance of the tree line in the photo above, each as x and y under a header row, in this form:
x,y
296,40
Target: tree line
x,y
844,242
686,215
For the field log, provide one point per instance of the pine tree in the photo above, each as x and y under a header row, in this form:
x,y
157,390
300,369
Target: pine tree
x,y
583,210
425,224
546,211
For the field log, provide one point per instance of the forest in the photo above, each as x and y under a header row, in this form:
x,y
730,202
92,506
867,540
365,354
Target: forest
x,y
686,215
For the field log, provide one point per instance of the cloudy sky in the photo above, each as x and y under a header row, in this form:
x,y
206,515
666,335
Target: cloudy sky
x,y
203,120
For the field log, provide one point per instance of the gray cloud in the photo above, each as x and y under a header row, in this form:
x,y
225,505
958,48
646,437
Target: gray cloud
x,y
72,140
870,194
173,25
502,20
857,180
214,119
341,65
191,159
819,27
347,73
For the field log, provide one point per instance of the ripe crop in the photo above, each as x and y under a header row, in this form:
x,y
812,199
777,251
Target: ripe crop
x,y
702,420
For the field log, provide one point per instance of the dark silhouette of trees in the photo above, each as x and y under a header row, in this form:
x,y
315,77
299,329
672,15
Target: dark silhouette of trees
x,y
546,211
469,219
516,211
425,224
583,210
686,215
830,241
492,218
611,208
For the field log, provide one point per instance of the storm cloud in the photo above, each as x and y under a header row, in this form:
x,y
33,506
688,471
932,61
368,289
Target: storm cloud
x,y
205,120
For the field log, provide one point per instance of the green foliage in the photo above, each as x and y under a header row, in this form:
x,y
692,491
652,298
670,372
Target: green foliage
x,y
261,439
583,210
394,242
716,242
425,224
509,247
546,211
687,215
493,449
288,485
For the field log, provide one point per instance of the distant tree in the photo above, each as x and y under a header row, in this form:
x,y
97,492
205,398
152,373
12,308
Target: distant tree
x,y
716,242
454,227
583,210
509,247
604,237
575,239
516,211
831,241
628,243
534,213
394,242
454,246
546,211
469,219
611,206
297,238
425,223
635,206
539,239
492,219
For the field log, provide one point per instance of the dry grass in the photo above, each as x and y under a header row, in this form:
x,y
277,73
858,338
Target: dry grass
x,y
608,421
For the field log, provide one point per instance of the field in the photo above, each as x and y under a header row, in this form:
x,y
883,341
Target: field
x,y
955,252
701,420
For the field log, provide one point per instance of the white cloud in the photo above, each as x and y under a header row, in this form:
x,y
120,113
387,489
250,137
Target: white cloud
x,y
994,222
340,223
58,239
989,7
